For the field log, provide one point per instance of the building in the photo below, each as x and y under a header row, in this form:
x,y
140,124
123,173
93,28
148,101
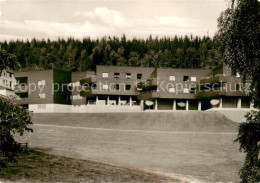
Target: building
x,y
43,90
7,83
124,89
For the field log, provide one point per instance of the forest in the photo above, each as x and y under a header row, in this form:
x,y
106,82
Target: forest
x,y
81,55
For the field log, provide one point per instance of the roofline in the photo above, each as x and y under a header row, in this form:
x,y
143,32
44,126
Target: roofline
x,y
154,67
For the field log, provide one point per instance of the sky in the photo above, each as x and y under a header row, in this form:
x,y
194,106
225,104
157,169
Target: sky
x,y
53,19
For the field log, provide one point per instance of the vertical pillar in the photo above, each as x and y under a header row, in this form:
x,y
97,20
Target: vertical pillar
x,y
108,100
130,100
220,103
239,103
187,105
142,105
199,105
96,100
156,104
174,105
119,100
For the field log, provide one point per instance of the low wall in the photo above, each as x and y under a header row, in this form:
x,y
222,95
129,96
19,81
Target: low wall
x,y
59,108
104,108
236,115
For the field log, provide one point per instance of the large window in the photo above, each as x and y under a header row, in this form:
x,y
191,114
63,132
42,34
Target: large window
x,y
172,78
186,78
76,97
116,86
105,75
116,75
127,87
171,89
42,95
128,75
192,90
186,90
105,86
41,82
139,76
193,79
238,87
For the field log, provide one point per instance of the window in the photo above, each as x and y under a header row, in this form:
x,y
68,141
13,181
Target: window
x,y
139,76
42,95
171,89
128,75
186,78
193,79
192,90
116,75
186,90
237,87
41,106
172,78
105,75
76,83
237,75
76,97
22,95
127,87
116,86
105,86
41,82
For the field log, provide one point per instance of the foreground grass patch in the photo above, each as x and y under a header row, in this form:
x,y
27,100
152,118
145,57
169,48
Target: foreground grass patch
x,y
41,167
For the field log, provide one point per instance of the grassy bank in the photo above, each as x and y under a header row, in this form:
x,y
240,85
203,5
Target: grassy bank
x,y
41,167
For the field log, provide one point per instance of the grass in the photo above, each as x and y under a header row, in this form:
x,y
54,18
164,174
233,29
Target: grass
x,y
156,142
40,167
195,121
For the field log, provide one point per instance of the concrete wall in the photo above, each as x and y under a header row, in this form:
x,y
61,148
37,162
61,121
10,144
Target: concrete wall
x,y
163,78
34,89
60,108
146,74
104,108
50,108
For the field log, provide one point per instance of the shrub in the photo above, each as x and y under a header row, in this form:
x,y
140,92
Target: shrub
x,y
13,119
249,139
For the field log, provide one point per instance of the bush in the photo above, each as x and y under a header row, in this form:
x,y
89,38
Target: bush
x,y
13,119
249,139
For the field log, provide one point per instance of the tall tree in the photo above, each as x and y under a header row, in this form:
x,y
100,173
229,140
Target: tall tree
x,y
13,118
239,32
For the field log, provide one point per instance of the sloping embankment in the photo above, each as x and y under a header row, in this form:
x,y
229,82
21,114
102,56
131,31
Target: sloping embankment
x,y
184,121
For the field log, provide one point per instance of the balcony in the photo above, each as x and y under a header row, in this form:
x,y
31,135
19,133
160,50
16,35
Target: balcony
x,y
148,85
152,82
22,101
217,79
218,93
88,93
21,88
148,95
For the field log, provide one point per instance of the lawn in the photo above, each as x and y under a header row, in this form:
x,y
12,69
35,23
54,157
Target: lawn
x,y
193,145
40,167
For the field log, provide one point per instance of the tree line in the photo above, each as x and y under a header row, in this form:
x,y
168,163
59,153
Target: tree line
x,y
81,55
